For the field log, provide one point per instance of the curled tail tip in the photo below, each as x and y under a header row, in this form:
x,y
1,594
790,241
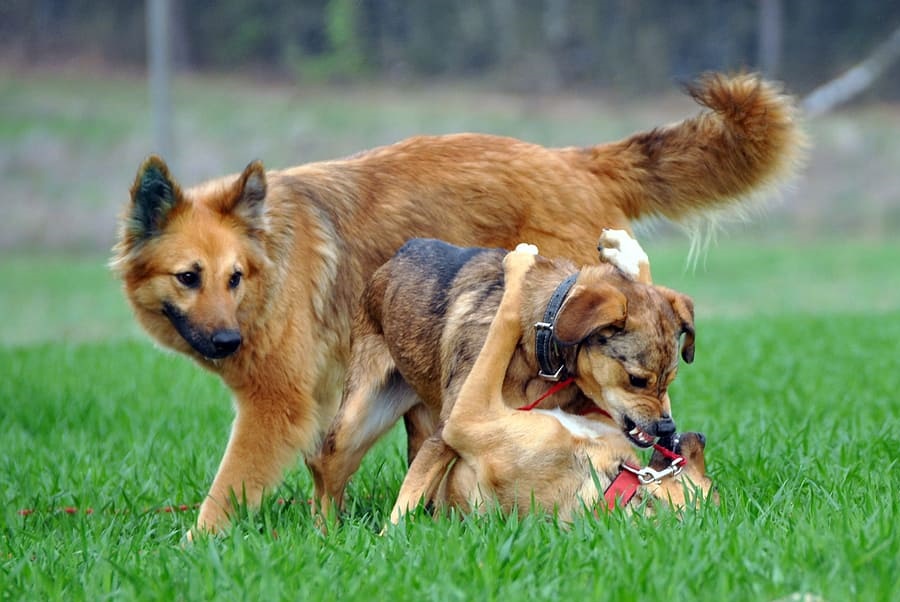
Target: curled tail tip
x,y
746,100
760,112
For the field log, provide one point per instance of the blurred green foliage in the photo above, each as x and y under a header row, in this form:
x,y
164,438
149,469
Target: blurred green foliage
x,y
635,46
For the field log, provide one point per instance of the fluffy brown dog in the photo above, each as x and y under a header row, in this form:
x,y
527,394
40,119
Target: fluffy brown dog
x,y
549,460
425,316
257,277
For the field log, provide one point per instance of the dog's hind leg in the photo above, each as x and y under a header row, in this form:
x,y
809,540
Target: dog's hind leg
x,y
420,424
620,249
376,396
431,464
480,395
480,398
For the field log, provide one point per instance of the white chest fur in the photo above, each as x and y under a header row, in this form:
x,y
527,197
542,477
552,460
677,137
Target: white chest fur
x,y
579,426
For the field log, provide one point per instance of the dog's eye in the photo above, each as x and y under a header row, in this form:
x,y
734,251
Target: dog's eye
x,y
235,280
637,382
189,279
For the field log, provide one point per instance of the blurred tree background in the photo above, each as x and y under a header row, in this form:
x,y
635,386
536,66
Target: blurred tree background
x,y
634,46
291,81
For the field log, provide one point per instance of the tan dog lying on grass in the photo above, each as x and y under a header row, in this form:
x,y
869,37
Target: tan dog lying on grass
x,y
425,317
547,459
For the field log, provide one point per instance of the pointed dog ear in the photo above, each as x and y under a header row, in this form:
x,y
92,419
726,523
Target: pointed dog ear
x,y
247,198
683,306
153,196
588,309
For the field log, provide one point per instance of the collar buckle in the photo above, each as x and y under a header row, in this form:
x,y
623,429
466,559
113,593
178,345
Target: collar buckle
x,y
555,377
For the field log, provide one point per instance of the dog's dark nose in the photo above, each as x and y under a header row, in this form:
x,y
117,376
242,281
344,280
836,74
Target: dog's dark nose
x,y
665,427
226,342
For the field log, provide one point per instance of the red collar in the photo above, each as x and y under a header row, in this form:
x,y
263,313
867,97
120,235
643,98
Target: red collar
x,y
622,489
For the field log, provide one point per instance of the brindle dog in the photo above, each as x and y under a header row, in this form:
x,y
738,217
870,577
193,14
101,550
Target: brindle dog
x,y
424,320
546,460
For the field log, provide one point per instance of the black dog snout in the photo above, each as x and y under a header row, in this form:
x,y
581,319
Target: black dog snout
x,y
226,342
665,427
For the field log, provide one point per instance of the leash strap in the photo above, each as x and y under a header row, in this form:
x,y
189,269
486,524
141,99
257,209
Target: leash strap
x,y
559,387
555,388
546,350
668,453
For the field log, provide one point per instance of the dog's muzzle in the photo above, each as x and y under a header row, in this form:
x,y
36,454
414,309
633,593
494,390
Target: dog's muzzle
x,y
664,427
215,346
645,437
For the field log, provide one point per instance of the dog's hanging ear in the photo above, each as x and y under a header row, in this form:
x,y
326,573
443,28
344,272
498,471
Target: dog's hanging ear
x,y
683,306
587,310
154,195
247,198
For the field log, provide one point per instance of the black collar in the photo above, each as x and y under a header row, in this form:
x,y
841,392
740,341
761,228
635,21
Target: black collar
x,y
552,366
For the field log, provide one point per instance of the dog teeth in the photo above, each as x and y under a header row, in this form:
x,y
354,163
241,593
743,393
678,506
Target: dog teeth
x,y
638,435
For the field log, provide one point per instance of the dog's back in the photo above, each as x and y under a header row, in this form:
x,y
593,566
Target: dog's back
x,y
432,303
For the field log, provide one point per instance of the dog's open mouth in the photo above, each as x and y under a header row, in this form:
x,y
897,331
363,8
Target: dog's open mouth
x,y
637,435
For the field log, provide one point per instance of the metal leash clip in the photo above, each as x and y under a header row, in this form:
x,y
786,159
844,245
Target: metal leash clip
x,y
647,475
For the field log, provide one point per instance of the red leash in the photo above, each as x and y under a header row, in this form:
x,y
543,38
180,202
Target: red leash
x,y
668,453
554,389
71,510
88,511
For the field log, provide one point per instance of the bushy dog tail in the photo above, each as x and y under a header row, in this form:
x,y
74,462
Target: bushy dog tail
x,y
746,141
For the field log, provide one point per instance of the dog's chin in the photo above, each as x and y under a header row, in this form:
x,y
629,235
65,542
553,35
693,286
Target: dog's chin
x,y
215,357
636,434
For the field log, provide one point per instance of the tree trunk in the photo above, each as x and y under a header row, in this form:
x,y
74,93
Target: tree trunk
x,y
769,37
159,61
856,80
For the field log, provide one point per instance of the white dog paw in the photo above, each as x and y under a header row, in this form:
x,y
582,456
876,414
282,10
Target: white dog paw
x,y
619,249
524,247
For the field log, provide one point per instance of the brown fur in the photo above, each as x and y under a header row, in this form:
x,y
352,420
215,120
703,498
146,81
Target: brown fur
x,y
425,317
519,460
303,242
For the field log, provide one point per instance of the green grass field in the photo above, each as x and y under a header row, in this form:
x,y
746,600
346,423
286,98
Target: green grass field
x,y
795,385
795,382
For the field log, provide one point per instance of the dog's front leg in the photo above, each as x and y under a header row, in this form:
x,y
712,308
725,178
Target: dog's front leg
x,y
263,443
